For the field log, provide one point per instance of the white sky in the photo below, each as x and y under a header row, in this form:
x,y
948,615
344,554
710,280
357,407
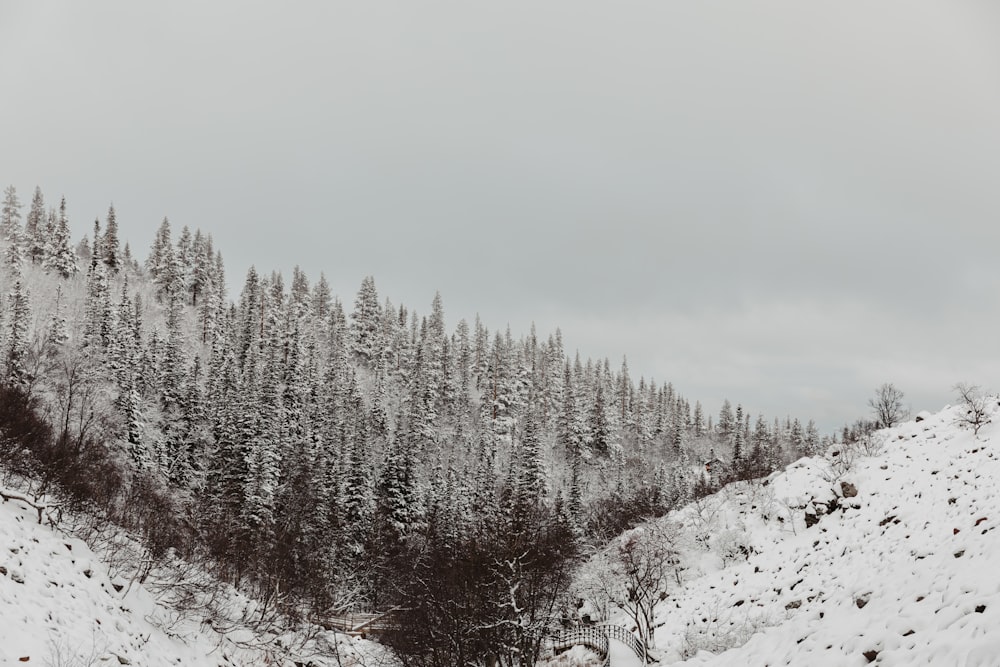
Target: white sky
x,y
781,202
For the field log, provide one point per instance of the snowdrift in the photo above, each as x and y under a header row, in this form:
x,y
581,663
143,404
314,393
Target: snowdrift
x,y
60,607
893,559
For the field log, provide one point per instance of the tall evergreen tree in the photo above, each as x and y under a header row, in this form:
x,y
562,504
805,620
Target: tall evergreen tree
x,y
17,339
726,422
739,444
110,246
34,228
60,256
365,319
10,216
600,433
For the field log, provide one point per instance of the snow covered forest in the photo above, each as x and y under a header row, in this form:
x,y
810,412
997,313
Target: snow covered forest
x,y
329,455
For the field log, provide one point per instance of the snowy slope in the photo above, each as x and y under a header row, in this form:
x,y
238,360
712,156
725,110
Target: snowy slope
x,y
60,608
907,572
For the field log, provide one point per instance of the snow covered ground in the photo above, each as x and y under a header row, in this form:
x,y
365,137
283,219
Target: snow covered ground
x,y
59,607
905,572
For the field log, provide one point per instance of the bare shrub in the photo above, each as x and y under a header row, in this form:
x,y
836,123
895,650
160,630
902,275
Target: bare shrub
x,y
724,631
887,405
976,405
62,654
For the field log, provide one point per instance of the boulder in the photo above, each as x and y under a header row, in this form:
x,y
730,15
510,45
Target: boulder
x,y
848,490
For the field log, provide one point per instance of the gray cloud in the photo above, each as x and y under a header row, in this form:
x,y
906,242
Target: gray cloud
x,y
785,203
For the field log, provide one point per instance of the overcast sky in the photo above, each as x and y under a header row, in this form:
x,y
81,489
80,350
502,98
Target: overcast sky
x,y
784,203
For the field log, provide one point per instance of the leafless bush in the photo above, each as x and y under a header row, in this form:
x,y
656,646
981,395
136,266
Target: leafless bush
x,y
871,443
887,406
724,631
976,404
841,459
61,654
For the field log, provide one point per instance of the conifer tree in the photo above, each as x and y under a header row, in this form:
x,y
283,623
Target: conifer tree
x,y
110,246
811,440
600,433
161,264
759,448
17,338
97,327
34,228
675,428
322,298
698,420
183,269
60,256
532,476
10,216
14,252
726,422
796,438
739,444
365,319
58,332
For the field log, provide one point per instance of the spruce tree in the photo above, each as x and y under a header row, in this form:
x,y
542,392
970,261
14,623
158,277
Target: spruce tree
x,y
111,252
10,216
739,444
699,420
365,322
17,338
60,256
600,434
726,422
34,228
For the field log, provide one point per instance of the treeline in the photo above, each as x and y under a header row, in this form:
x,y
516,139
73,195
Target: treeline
x,y
329,457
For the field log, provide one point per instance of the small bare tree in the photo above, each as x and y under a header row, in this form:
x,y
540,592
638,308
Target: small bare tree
x,y
976,405
637,573
887,404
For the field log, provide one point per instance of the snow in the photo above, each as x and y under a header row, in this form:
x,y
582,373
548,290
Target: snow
x,y
59,606
907,572
621,655
575,656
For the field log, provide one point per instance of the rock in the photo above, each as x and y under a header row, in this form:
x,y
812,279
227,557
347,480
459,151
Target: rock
x,y
848,489
870,655
794,604
980,608
16,576
811,520
863,599
122,660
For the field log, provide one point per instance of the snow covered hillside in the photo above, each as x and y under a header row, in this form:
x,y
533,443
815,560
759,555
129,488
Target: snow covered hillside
x,y
899,563
60,607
